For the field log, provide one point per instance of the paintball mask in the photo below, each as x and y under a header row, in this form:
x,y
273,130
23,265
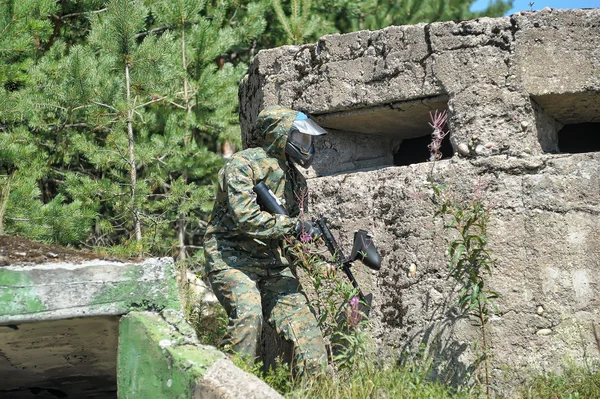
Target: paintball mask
x,y
299,146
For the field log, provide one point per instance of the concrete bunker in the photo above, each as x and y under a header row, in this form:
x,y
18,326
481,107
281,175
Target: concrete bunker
x,y
104,329
513,85
568,123
386,135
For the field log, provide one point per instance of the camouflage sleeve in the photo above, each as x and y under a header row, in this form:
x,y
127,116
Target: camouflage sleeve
x,y
244,209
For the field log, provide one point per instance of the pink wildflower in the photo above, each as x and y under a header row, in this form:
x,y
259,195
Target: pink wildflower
x,y
438,120
353,313
305,237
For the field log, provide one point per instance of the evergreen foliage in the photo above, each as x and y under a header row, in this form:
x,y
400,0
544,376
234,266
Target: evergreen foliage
x,y
114,115
300,21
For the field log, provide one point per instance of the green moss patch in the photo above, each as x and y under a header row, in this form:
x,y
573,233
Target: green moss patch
x,y
154,360
136,294
17,294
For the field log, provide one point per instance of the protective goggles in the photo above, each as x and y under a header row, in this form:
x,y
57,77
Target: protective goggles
x,y
302,132
307,126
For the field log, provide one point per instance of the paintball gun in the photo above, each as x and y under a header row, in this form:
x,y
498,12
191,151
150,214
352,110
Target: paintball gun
x,y
363,248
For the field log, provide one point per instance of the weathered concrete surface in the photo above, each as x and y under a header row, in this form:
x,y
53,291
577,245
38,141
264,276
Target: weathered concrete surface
x,y
61,330
54,291
495,75
509,85
59,323
543,232
159,358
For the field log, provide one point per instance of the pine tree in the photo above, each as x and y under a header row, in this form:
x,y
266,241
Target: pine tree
x,y
125,121
114,34
301,24
203,111
305,21
24,27
25,31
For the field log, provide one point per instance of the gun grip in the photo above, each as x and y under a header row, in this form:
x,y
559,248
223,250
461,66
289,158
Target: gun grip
x,y
364,250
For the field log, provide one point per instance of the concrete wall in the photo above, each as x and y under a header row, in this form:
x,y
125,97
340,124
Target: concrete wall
x,y
509,85
160,357
62,335
492,74
59,322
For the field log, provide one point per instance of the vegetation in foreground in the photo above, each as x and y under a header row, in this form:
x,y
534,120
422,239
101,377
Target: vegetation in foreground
x,y
573,382
368,379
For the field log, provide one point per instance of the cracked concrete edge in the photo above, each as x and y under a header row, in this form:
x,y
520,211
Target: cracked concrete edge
x,y
223,380
160,357
509,83
31,293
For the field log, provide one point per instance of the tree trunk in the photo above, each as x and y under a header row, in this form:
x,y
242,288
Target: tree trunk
x,y
132,171
188,108
4,195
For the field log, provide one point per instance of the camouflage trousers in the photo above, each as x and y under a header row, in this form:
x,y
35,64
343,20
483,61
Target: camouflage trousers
x,y
274,295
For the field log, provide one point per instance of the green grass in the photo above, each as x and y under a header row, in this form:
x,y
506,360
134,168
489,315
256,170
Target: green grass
x,y
573,382
394,382
366,382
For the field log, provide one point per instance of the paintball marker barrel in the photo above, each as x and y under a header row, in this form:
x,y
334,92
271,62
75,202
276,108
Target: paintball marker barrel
x,y
268,200
330,241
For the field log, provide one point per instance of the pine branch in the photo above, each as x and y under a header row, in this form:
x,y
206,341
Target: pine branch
x,y
152,31
155,100
176,105
282,17
106,105
4,196
133,170
79,14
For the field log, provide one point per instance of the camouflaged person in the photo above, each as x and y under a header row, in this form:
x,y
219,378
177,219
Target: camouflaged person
x,y
246,261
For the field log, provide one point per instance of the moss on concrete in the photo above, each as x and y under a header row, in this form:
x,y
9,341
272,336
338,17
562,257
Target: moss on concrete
x,y
17,294
154,360
136,294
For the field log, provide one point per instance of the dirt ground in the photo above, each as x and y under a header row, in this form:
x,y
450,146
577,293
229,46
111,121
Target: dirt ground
x,y
19,250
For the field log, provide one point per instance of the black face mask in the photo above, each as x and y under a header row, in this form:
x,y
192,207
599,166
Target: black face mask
x,y
300,140
300,148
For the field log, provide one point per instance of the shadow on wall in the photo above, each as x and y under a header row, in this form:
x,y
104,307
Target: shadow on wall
x,y
435,350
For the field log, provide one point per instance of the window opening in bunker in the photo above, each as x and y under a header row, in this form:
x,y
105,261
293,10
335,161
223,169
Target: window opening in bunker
x,y
415,150
579,137
568,122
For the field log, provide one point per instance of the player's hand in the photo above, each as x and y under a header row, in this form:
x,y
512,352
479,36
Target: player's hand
x,y
307,231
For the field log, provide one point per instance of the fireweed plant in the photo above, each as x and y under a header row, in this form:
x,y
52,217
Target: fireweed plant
x,y
470,260
335,302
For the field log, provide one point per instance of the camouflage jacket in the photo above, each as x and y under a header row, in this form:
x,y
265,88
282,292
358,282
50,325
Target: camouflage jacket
x,y
239,233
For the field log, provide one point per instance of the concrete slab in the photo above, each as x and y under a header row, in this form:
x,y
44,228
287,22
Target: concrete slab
x,y
157,359
53,291
59,323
